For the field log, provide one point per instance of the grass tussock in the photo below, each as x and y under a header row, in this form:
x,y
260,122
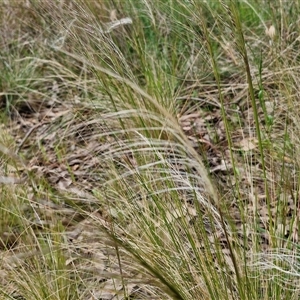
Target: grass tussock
x,y
149,150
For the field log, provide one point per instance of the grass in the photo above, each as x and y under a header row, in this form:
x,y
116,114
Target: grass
x,y
154,157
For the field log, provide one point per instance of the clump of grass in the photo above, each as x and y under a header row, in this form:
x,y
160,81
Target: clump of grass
x,y
170,228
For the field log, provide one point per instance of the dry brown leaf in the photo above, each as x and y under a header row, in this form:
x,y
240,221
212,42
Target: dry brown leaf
x,y
11,180
247,144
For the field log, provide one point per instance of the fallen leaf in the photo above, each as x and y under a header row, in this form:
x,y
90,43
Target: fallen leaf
x,y
247,144
11,180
